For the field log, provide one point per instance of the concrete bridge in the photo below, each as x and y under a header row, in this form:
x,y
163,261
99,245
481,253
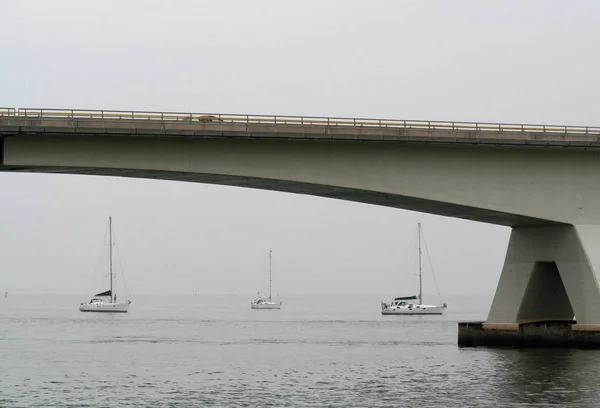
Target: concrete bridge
x,y
543,181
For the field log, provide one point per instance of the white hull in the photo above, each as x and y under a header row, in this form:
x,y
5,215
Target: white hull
x,y
105,307
270,305
415,310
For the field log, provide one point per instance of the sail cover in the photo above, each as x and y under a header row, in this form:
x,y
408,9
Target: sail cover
x,y
107,293
398,298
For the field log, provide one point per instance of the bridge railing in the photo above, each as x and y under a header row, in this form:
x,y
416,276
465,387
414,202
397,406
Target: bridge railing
x,y
7,111
297,120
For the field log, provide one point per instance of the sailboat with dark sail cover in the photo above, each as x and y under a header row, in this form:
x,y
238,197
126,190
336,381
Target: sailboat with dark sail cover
x,y
107,301
412,305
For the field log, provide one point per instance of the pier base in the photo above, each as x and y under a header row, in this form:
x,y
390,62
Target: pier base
x,y
558,334
548,294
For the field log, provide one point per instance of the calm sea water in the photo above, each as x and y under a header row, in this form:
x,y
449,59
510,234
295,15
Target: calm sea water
x,y
200,351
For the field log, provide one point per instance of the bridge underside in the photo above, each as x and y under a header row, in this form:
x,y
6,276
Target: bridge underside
x,y
549,197
340,193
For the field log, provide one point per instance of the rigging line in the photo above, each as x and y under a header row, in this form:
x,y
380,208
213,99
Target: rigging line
x,y
96,278
414,273
414,260
119,260
408,273
431,265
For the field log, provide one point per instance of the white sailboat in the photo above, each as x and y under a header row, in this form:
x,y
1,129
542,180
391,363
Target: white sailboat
x,y
106,301
266,302
412,305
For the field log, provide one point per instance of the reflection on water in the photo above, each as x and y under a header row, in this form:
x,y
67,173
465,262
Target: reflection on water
x,y
194,352
534,376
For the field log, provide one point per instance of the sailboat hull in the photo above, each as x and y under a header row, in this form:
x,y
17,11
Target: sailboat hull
x,y
271,305
104,307
422,310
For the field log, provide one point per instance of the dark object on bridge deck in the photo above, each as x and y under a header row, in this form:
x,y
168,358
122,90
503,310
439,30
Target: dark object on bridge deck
x,y
204,118
555,334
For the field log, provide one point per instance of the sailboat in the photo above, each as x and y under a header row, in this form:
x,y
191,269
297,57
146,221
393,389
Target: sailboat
x,y
412,305
106,301
266,302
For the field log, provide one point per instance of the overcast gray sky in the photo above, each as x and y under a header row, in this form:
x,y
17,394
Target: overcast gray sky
x,y
507,61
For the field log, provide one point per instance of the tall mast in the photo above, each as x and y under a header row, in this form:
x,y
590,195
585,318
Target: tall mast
x,y
420,271
110,262
270,275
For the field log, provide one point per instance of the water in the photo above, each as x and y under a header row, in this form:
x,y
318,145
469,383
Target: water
x,y
199,351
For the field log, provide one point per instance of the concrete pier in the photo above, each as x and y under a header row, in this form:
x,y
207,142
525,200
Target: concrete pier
x,y
556,334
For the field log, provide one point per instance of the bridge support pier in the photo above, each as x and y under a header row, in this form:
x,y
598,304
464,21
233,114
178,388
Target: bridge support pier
x,y
548,292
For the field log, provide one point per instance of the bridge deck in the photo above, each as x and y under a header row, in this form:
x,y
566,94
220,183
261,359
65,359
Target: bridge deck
x,y
100,122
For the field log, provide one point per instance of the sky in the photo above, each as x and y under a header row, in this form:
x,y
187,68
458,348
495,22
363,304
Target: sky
x,y
533,62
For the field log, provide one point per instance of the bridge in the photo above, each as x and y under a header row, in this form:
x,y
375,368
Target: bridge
x,y
540,180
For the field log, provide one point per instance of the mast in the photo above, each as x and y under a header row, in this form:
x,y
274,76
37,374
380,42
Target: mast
x,y
420,271
270,275
110,261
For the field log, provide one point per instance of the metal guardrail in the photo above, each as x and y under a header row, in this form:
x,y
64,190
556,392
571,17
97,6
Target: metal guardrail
x,y
295,120
7,111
